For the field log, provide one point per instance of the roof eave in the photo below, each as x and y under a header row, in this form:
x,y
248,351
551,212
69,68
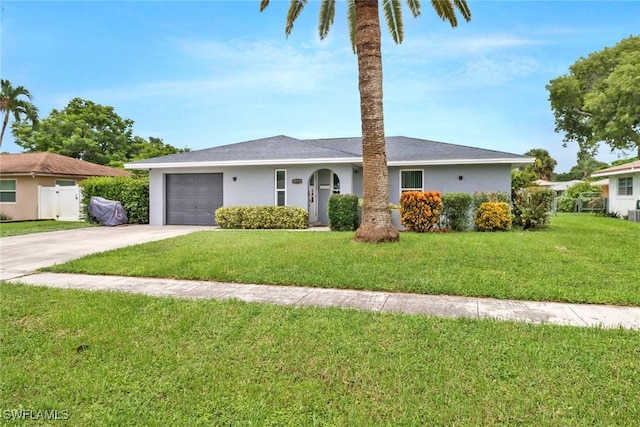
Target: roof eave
x,y
618,172
448,162
181,165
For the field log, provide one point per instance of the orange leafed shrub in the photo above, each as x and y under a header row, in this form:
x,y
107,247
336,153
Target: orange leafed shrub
x,y
493,216
420,211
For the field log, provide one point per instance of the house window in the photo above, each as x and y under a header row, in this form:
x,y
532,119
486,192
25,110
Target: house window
x,y
7,190
65,182
625,186
281,187
411,180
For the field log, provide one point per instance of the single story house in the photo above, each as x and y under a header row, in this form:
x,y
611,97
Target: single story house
x,y
560,187
187,188
23,175
624,187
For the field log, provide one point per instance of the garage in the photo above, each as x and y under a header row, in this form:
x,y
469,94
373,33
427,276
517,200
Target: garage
x,y
193,198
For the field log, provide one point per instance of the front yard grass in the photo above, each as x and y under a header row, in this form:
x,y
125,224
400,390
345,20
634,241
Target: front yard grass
x,y
122,359
579,258
8,229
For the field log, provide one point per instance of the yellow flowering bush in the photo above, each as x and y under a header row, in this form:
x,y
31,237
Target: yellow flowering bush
x,y
420,211
493,216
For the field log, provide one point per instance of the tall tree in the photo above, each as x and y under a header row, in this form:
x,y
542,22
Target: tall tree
x,y
11,103
544,164
364,25
582,170
599,100
89,131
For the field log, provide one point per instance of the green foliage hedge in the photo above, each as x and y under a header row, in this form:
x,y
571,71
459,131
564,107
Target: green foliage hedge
x,y
343,212
566,204
480,197
455,211
133,193
534,206
493,216
262,217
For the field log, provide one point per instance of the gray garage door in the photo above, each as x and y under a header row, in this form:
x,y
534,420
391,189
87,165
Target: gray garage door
x,y
193,198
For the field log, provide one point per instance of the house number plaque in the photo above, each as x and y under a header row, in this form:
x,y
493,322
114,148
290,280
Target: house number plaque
x,y
296,181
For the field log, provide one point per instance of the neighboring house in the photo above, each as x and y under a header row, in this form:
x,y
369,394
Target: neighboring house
x,y
559,187
604,186
624,187
23,176
187,188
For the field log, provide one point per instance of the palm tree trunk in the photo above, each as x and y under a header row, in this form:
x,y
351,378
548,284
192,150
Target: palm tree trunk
x,y
4,126
376,217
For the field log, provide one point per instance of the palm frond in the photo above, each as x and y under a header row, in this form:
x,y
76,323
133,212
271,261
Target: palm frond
x,y
327,12
414,7
463,7
20,108
263,4
444,9
393,15
294,11
351,18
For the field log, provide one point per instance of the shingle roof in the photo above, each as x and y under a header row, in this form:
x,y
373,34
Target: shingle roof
x,y
53,164
620,169
282,148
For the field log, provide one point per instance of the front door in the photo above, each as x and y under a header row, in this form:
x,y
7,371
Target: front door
x,y
313,198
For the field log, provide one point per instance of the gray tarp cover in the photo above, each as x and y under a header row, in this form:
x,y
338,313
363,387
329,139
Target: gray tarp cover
x,y
107,212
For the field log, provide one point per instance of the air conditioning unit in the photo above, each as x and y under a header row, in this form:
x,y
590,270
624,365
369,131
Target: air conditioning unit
x,y
634,215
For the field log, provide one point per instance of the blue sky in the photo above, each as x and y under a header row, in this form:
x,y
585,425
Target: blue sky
x,y
206,73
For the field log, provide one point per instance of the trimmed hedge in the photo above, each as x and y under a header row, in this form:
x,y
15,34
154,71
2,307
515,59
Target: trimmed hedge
x,y
480,197
343,212
262,217
456,209
133,193
493,216
420,211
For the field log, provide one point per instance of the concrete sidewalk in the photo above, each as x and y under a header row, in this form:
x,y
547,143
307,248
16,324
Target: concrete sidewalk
x,y
444,306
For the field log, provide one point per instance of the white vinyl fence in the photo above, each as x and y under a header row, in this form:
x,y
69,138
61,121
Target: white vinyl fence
x,y
61,203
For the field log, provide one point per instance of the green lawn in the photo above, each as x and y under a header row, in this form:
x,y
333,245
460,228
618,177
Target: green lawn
x,y
28,227
579,258
122,359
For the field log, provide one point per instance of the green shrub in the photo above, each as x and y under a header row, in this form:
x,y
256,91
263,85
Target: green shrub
x,y
133,193
521,179
420,211
5,217
262,217
480,197
566,204
581,187
455,211
343,212
534,206
493,216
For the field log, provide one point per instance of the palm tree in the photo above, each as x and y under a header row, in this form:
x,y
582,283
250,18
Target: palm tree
x,y
364,25
544,165
10,103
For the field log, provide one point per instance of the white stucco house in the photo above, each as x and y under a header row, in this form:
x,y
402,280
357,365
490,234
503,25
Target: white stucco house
x,y
187,188
624,187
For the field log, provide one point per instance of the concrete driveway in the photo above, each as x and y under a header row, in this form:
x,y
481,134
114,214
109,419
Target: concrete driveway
x,y
20,255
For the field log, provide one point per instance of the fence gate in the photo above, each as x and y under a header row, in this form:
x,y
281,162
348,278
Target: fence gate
x,y
61,203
